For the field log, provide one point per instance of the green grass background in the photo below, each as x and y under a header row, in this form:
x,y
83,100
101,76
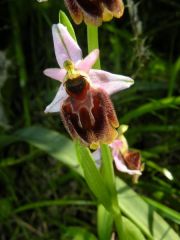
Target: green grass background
x,y
144,46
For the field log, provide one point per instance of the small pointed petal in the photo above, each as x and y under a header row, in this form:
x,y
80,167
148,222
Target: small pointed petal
x,y
57,102
121,166
55,73
111,83
64,45
87,63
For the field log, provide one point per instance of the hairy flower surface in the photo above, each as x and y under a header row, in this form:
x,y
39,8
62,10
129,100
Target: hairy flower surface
x,y
94,11
83,97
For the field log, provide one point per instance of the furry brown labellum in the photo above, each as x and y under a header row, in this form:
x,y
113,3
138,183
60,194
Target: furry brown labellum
x,y
133,160
88,113
94,11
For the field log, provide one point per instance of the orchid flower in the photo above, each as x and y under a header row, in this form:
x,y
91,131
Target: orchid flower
x,y
94,12
129,162
67,49
126,161
82,98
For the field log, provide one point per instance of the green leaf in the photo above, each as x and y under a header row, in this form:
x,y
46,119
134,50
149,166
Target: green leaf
x,y
49,203
78,233
107,169
154,128
104,223
92,175
132,232
5,208
149,107
66,22
143,215
7,139
51,142
132,205
13,161
164,210
109,179
174,76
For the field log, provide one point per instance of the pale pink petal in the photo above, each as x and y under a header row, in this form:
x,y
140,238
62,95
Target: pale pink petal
x,y
87,63
121,166
116,145
111,83
64,45
55,73
57,102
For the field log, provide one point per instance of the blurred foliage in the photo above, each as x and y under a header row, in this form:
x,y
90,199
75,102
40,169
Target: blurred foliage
x,y
143,44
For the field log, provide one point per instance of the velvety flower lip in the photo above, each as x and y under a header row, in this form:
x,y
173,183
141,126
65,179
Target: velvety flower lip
x,y
67,49
94,11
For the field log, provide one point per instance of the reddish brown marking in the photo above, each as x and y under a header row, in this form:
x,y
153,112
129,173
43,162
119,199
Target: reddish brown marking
x,y
111,4
99,114
71,122
92,7
81,95
74,10
101,128
85,119
133,160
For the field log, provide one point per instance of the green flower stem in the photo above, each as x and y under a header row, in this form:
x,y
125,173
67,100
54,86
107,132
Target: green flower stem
x,y
119,226
92,39
117,216
109,178
107,169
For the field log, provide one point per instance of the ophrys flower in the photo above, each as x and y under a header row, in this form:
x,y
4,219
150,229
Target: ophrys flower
x,y
83,97
125,160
